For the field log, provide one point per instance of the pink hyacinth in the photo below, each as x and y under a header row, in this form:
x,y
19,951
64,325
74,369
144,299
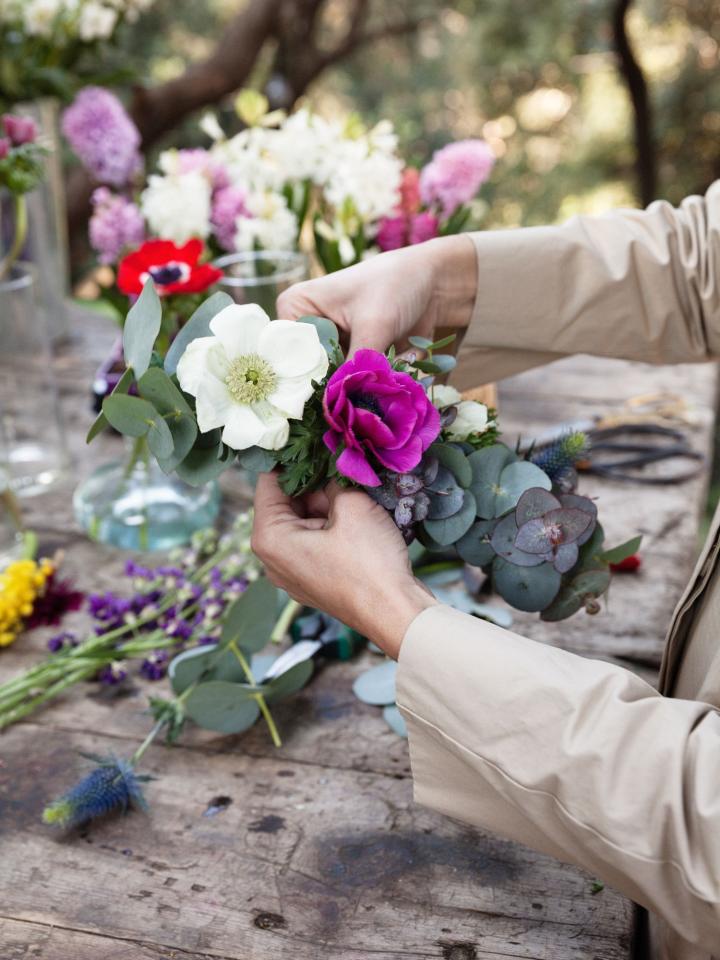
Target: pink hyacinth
x,y
403,231
197,160
410,191
455,174
229,204
115,226
103,136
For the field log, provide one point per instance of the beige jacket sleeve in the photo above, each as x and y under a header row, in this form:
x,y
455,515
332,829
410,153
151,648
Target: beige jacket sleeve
x,y
634,284
577,758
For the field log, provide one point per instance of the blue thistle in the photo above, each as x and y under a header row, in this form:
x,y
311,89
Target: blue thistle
x,y
112,785
560,457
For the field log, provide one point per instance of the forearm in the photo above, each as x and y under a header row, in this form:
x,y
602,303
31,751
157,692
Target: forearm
x,y
578,758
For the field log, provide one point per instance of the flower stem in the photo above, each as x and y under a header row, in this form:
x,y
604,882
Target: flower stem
x,y
264,709
291,609
21,228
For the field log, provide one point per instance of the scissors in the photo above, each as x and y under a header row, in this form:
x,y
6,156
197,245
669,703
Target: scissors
x,y
621,452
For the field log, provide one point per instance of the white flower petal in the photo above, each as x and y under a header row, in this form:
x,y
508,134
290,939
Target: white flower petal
x,y
293,349
444,396
290,396
239,328
213,404
277,429
192,365
243,428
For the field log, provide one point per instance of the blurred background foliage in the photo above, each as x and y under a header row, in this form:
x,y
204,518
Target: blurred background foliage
x,y
539,80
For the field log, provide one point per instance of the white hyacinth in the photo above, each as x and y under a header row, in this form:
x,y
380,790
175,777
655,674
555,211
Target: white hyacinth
x,y
270,226
177,207
252,376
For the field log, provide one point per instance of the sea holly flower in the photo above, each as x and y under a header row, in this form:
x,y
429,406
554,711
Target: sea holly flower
x,y
111,785
173,269
378,417
252,375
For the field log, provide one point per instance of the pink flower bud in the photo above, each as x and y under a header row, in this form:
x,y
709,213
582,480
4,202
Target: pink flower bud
x,y
4,147
20,129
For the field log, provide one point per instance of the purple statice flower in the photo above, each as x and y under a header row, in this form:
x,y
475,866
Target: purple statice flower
x,y
62,641
154,667
115,226
229,204
455,174
111,674
377,416
101,133
108,609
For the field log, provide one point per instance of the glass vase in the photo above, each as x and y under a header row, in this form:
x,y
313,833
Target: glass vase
x,y
261,276
12,541
33,451
132,504
47,240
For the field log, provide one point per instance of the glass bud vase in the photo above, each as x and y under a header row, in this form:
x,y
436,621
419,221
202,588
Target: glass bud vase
x,y
132,504
33,451
261,276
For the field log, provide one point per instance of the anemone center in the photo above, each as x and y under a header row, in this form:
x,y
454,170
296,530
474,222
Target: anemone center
x,y
366,401
250,379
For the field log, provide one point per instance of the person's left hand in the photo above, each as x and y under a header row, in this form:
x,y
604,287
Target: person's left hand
x,y
339,551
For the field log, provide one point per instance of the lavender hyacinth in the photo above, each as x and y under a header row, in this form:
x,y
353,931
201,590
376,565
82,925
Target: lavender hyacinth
x,y
115,226
455,174
229,204
103,136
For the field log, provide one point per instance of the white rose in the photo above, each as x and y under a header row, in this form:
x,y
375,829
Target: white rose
x,y
252,375
444,396
177,207
96,22
472,417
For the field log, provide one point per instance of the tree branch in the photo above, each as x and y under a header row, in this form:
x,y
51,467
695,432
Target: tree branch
x,y
631,71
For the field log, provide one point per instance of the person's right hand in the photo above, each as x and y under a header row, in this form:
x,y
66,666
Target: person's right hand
x,y
392,296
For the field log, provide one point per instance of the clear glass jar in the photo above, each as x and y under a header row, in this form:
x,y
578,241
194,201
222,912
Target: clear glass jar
x,y
261,276
33,451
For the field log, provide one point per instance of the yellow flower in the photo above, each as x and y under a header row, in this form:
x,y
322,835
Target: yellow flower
x,y
20,585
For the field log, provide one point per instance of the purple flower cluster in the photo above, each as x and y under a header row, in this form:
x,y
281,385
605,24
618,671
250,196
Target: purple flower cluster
x,y
404,230
103,136
116,225
229,203
455,174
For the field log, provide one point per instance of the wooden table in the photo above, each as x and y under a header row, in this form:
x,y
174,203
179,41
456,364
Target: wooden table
x,y
318,851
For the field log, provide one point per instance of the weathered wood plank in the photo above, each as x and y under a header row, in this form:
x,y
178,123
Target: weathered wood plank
x,y
301,861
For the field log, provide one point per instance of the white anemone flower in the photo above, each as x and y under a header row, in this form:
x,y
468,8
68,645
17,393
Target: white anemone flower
x,y
252,375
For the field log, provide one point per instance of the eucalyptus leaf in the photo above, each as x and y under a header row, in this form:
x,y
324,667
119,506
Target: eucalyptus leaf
x,y
157,387
449,530
377,685
197,326
475,547
395,720
289,682
534,503
487,465
445,362
422,343
202,464
101,422
222,706
208,663
623,551
141,329
256,460
454,460
159,438
504,544
327,331
251,618
515,479
131,416
526,588
587,583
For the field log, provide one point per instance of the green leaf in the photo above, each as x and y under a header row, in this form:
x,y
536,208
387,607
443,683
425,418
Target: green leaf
x,y
251,618
445,362
141,329
444,342
450,529
257,460
422,343
130,416
206,663
526,588
327,331
289,682
197,326
377,685
588,583
486,466
622,552
222,706
454,460
395,720
474,547
202,464
156,387
101,421
515,479
160,440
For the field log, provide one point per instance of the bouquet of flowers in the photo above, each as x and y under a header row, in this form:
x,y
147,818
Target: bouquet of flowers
x,y
49,46
21,170
235,386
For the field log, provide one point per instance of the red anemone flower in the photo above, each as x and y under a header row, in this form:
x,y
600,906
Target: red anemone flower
x,y
174,269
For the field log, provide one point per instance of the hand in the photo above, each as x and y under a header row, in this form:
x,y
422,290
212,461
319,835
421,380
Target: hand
x,y
339,551
389,297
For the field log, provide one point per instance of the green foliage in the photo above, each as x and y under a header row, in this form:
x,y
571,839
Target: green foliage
x,y
101,421
197,326
251,618
526,588
623,551
305,459
447,530
131,416
141,329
